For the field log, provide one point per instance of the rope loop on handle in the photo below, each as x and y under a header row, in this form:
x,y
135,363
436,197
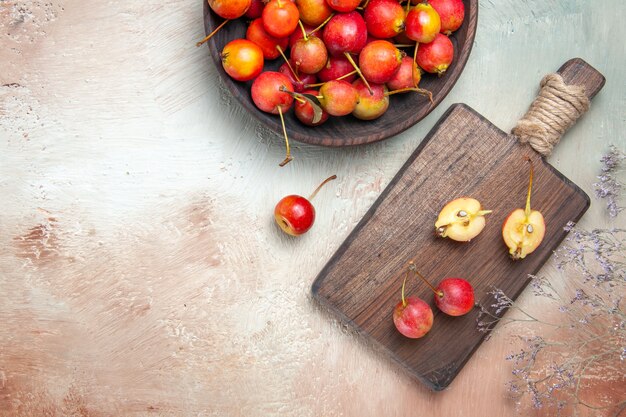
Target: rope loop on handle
x,y
554,111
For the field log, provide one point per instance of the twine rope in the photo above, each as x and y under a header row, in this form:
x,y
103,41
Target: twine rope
x,y
554,111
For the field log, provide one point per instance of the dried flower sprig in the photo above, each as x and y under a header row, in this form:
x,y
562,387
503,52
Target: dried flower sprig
x,y
586,344
610,186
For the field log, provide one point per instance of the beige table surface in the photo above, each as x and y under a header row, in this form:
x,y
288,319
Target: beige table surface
x,y
140,271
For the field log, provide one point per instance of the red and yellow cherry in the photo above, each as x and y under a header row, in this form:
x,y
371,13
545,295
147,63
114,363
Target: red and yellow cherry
x,y
306,114
412,316
453,296
338,97
343,6
345,33
280,18
242,60
384,18
309,54
230,9
461,219
407,76
379,60
271,93
268,92
295,214
422,23
337,67
299,81
313,12
435,57
524,229
257,34
370,106
255,10
451,13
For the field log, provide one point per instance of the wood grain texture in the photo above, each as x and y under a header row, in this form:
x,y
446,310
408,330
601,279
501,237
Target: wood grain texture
x,y
141,273
404,111
464,155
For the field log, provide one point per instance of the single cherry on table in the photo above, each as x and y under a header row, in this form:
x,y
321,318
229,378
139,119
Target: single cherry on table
x,y
295,214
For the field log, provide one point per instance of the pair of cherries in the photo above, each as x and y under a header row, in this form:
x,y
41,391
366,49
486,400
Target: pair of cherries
x,y
413,317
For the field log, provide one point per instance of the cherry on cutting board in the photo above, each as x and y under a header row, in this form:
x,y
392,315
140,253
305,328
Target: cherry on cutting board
x,y
461,219
453,296
295,214
524,229
412,316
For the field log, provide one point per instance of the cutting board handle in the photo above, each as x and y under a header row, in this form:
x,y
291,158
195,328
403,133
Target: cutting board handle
x,y
563,98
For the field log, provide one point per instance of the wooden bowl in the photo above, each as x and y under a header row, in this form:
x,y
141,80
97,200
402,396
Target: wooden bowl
x,y
404,110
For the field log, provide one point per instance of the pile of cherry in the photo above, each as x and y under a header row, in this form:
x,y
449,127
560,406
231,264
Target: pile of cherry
x,y
345,56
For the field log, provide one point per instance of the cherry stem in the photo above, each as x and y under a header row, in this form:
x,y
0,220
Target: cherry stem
x,y
288,157
336,79
402,45
210,35
403,285
319,187
408,6
417,90
412,268
304,35
347,75
322,24
280,50
296,96
413,67
530,189
358,71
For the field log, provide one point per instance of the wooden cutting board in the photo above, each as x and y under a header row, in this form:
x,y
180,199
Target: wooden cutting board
x,y
463,155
